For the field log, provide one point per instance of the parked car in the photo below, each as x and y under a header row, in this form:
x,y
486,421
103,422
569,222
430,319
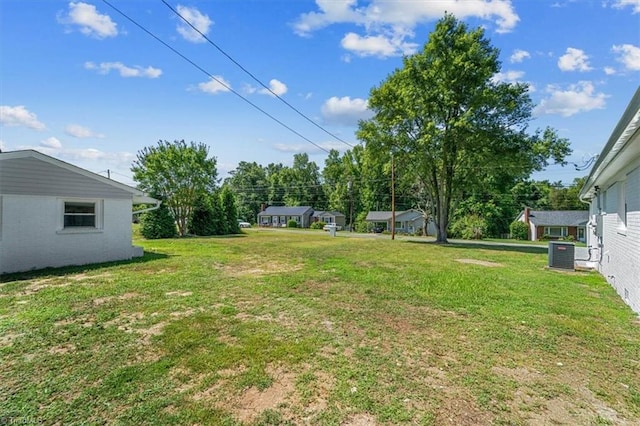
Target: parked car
x,y
330,225
377,229
242,224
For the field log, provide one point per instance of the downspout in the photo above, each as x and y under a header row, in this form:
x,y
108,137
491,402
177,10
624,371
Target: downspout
x,y
599,237
156,207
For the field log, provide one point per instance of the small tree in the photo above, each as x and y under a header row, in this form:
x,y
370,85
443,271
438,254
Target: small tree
x,y
179,173
519,230
203,221
229,211
158,223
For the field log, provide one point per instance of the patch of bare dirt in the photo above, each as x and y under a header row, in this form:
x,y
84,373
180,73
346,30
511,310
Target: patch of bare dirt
x,y
126,296
83,277
248,406
459,408
62,349
127,323
8,338
259,266
281,319
38,285
84,321
480,262
361,419
581,408
179,293
519,374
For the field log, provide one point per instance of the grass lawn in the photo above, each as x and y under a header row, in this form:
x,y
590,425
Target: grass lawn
x,y
300,328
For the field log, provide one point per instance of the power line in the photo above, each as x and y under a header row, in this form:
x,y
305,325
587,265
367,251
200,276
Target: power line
x,y
250,74
222,83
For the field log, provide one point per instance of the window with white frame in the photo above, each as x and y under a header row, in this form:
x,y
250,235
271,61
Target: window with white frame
x,y
80,214
556,231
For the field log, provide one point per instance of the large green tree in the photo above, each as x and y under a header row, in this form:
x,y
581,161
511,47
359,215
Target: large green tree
x,y
251,188
178,173
445,113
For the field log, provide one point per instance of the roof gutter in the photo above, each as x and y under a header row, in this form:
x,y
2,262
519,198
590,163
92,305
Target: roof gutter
x,y
146,200
627,126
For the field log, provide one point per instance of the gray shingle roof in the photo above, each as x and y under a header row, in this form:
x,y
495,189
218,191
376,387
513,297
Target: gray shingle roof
x,y
286,211
327,213
559,217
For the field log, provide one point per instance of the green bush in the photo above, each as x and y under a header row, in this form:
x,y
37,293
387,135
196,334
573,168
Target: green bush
x,y
204,219
519,230
158,223
361,224
292,224
471,227
568,238
317,225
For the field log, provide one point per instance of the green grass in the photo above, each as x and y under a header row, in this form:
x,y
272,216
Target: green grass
x,y
296,327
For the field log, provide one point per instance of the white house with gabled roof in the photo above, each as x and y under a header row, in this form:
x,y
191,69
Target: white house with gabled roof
x,y
55,214
613,193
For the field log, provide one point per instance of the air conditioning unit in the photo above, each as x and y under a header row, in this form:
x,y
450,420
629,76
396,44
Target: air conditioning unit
x,y
561,255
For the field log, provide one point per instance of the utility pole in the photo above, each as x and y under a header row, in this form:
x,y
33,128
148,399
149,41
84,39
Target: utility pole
x,y
393,200
349,186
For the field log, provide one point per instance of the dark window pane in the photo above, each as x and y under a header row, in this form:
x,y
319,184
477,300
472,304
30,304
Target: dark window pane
x,y
73,220
89,208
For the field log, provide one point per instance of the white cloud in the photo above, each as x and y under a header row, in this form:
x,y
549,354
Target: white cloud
x,y
635,4
508,77
2,145
388,24
276,86
519,55
628,55
19,116
125,71
200,21
78,131
51,143
90,21
576,98
215,85
122,159
345,111
380,45
609,70
574,60
404,14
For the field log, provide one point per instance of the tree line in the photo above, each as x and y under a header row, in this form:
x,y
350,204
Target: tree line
x,y
454,137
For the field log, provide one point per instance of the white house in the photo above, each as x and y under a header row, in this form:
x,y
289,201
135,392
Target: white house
x,y
55,214
613,191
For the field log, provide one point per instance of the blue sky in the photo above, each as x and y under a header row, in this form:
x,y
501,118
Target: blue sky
x,y
84,84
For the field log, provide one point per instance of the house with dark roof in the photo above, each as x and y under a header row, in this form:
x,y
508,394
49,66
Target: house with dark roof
x,y
279,216
555,224
55,214
612,190
329,217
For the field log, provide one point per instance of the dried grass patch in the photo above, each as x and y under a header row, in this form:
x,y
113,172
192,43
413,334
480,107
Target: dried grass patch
x,y
480,262
259,266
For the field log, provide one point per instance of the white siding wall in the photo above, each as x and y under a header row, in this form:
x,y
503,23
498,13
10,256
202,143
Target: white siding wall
x,y
30,236
620,262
